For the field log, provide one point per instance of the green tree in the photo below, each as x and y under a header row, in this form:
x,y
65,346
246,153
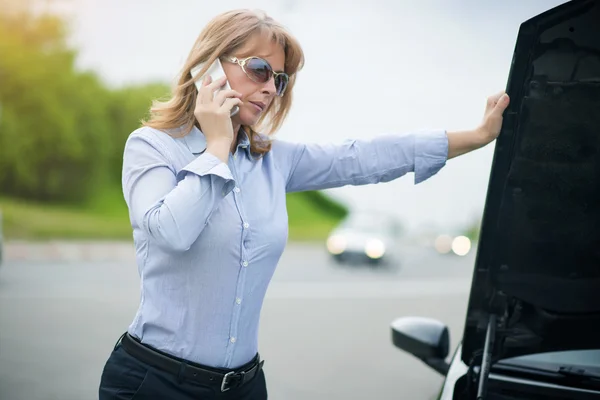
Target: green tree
x,y
54,127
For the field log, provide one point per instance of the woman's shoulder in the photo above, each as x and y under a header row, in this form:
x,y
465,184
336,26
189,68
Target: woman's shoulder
x,y
150,134
165,141
284,146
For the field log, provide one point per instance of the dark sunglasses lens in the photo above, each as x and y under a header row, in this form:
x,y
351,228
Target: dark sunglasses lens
x,y
281,82
259,70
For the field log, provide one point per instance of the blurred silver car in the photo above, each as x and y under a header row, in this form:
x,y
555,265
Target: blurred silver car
x,y
365,237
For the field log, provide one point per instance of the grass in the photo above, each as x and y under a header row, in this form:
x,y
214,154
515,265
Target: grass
x,y
107,218
307,222
34,221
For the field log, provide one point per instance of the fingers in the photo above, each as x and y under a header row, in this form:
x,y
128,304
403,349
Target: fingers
x,y
213,86
501,104
206,92
230,103
493,99
225,94
497,103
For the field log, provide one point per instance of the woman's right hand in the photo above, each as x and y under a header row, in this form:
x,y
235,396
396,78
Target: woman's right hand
x,y
213,112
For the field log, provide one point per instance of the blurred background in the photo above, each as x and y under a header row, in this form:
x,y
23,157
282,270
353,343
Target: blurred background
x,y
76,76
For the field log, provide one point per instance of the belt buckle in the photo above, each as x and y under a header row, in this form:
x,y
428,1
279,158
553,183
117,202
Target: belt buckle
x,y
224,382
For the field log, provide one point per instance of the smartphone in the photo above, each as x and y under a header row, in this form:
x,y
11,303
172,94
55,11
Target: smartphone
x,y
215,72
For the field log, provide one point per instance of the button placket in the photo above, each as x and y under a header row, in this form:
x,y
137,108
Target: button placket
x,y
244,260
235,317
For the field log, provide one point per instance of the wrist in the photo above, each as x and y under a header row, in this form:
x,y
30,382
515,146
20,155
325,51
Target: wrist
x,y
462,142
220,148
481,137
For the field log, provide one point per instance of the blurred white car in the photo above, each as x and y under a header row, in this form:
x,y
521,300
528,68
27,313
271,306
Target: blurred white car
x,y
365,237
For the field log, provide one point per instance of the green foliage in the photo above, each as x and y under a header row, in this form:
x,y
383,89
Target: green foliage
x,y
53,119
61,130
312,215
324,203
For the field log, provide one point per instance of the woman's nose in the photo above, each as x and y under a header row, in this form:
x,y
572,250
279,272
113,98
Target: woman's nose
x,y
270,87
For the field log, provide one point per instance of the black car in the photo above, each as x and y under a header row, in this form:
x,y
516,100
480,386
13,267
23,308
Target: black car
x,y
532,329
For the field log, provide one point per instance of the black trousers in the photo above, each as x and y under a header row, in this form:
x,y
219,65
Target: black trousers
x,y
124,377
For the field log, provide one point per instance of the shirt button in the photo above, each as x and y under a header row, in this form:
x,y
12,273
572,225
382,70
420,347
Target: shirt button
x,y
232,340
245,263
237,189
246,225
238,301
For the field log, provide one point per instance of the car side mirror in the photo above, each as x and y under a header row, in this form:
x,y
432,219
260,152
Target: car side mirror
x,y
425,338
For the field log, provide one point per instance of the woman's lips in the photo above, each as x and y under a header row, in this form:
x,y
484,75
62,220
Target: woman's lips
x,y
258,106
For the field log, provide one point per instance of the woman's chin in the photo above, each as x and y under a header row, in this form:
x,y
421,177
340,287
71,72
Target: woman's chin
x,y
246,117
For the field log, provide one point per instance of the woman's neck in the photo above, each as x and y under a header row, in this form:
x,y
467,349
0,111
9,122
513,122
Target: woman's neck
x,y
236,131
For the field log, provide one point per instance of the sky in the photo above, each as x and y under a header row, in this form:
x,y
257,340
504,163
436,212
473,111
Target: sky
x,y
372,67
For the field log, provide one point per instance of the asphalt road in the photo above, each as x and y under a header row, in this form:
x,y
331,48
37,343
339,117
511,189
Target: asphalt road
x,y
324,328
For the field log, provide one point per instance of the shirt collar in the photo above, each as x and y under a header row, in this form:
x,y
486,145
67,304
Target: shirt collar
x,y
195,141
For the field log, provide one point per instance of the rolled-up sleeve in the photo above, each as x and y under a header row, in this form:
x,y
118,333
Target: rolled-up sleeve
x,y
360,162
430,154
171,207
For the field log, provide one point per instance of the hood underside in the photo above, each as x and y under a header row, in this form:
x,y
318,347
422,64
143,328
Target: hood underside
x,y
538,261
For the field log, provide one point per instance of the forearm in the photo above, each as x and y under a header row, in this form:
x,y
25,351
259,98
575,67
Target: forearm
x,y
176,222
462,142
220,148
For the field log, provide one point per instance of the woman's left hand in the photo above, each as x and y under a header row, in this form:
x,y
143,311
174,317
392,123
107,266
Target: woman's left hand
x,y
492,117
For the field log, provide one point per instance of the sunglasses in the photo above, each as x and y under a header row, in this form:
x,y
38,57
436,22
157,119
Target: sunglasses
x,y
260,71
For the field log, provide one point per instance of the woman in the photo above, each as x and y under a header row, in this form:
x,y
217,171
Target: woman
x,y
207,199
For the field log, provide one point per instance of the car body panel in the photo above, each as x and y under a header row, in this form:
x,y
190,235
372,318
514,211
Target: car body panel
x,y
538,260
454,386
536,280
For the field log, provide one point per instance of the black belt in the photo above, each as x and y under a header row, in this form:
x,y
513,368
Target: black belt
x,y
224,381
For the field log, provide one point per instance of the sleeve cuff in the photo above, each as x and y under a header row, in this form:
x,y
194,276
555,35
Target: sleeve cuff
x,y
431,154
208,164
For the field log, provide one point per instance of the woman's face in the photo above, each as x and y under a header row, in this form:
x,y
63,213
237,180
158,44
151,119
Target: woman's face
x,y
256,96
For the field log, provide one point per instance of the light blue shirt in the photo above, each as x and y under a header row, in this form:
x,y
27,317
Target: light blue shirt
x,y
208,235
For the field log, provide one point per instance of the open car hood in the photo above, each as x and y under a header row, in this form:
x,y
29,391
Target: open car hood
x,y
537,268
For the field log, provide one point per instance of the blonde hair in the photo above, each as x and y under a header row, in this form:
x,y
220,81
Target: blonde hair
x,y
223,35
